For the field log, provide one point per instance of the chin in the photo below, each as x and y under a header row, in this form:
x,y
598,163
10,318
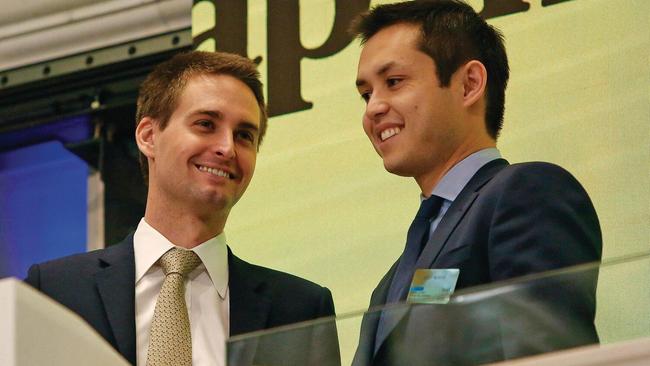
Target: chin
x,y
211,198
405,165
220,201
396,168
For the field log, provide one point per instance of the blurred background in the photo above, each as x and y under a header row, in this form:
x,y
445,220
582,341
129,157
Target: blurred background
x,y
321,205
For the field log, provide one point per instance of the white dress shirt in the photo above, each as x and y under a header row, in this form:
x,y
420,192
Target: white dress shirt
x,y
206,294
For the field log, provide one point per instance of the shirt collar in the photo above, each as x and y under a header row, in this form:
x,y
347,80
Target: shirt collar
x,y
149,245
460,174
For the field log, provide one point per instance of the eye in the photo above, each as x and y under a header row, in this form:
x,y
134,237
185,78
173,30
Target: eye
x,y
365,96
393,81
245,135
205,124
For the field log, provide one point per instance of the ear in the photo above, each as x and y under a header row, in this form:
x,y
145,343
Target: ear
x,y
144,136
474,82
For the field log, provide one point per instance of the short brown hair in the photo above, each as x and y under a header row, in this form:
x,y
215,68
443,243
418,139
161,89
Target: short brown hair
x,y
160,91
451,33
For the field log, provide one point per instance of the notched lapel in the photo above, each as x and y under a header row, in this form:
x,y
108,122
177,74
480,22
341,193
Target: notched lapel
x,y
366,347
456,211
431,251
116,286
249,309
249,304
380,293
447,225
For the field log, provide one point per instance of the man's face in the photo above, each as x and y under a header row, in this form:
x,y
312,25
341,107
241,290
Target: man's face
x,y
411,121
205,156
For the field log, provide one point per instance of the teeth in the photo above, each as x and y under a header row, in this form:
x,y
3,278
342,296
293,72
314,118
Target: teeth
x,y
217,172
388,133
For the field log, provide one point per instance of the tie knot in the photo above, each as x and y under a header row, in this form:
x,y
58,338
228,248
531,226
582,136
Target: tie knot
x,y
429,207
179,261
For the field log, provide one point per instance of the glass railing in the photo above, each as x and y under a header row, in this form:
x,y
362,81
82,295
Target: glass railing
x,y
583,305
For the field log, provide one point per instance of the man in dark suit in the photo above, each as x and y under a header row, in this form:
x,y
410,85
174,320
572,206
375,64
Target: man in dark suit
x,y
200,120
433,75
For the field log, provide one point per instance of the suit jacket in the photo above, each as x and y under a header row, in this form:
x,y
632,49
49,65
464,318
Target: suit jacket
x,y
508,221
100,287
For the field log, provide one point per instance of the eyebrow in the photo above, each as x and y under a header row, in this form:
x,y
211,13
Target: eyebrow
x,y
382,70
213,114
249,126
218,115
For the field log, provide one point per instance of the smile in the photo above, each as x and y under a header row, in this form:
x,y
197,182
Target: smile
x,y
215,171
390,132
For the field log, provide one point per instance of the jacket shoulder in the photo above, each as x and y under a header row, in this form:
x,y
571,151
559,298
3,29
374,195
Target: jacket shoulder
x,y
276,280
535,176
535,168
75,267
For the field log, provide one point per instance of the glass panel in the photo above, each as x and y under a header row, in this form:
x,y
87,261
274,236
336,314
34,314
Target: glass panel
x,y
526,316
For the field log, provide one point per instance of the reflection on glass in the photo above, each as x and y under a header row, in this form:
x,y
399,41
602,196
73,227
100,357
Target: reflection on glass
x,y
526,316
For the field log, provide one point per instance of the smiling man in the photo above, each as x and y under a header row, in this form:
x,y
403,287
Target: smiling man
x,y
173,292
433,76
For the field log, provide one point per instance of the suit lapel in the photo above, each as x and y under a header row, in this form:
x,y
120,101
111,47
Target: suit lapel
x,y
249,305
366,348
456,211
249,309
439,237
116,286
381,291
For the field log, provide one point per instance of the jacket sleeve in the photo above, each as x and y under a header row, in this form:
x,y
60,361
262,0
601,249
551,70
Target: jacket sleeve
x,y
34,276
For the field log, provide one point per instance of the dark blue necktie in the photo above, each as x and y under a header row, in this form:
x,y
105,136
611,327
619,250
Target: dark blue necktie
x,y
416,239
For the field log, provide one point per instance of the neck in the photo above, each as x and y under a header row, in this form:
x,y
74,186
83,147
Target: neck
x,y
182,225
430,179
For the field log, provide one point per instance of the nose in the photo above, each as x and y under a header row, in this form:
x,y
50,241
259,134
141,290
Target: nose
x,y
376,107
224,145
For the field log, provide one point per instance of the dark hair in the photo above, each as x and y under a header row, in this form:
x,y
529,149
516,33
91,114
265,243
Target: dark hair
x,y
452,33
160,91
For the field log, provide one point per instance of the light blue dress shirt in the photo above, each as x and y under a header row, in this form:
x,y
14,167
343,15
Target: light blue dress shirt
x,y
457,178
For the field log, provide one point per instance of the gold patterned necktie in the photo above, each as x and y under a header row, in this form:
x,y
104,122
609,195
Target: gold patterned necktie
x,y
170,340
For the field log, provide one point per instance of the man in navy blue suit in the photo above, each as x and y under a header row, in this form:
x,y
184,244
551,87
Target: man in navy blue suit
x,y
201,117
433,76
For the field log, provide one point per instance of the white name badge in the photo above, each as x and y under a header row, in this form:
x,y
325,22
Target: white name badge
x,y
432,286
